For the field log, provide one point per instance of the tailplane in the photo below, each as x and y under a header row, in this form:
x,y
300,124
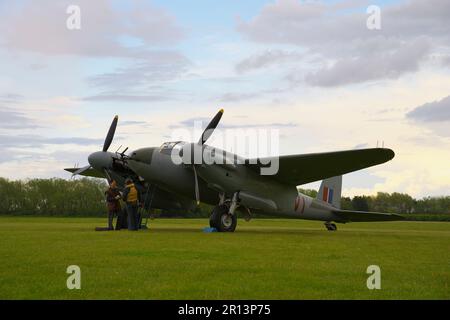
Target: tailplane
x,y
330,191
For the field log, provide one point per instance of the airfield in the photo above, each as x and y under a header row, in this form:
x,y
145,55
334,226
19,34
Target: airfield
x,y
263,259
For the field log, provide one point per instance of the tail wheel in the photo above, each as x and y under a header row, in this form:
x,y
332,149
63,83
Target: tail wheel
x,y
222,220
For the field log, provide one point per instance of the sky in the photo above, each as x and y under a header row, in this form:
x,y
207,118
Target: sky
x,y
312,70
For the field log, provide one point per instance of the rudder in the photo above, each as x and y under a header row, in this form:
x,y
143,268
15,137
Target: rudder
x,y
330,191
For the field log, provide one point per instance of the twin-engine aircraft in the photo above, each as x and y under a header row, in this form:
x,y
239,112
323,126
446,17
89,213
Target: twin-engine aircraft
x,y
176,180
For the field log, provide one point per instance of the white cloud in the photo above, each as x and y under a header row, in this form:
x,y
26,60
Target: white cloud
x,y
41,27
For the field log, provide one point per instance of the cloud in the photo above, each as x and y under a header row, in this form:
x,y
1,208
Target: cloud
x,y
156,68
237,96
266,59
190,123
361,146
131,123
34,141
347,51
137,33
389,64
102,27
125,97
11,119
436,111
10,98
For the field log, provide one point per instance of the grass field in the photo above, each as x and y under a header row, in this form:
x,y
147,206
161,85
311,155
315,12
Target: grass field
x,y
263,259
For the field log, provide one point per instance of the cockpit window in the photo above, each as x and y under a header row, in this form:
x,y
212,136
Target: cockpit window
x,y
167,147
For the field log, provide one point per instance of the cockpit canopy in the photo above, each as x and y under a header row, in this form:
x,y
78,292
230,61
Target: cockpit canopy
x,y
167,147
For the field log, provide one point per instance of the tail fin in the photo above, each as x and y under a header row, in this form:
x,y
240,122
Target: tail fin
x,y
330,191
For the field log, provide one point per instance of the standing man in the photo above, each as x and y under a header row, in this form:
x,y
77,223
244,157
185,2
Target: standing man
x,y
131,198
112,199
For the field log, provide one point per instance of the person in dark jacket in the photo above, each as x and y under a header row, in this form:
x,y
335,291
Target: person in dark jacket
x,y
131,198
112,200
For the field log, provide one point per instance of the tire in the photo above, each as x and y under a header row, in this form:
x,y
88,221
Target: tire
x,y
221,220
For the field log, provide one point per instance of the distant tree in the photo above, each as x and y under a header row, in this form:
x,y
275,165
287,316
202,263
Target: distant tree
x,y
309,192
360,203
346,203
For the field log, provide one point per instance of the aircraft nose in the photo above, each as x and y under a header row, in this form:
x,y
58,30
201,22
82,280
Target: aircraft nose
x,y
142,155
100,160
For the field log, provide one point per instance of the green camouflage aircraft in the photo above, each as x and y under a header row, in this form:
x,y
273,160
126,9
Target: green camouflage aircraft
x,y
177,178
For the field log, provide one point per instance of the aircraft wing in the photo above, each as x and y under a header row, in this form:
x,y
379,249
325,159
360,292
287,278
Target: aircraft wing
x,y
304,168
361,216
91,172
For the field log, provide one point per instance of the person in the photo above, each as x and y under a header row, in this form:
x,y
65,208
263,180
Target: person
x,y
112,199
131,198
122,218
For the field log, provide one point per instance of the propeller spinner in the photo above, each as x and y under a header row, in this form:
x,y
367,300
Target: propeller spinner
x,y
101,160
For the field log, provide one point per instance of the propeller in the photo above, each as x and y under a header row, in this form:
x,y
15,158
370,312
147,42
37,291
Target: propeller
x,y
210,128
204,137
110,135
100,157
197,192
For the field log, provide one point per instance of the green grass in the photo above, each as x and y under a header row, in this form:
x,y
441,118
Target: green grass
x,y
263,259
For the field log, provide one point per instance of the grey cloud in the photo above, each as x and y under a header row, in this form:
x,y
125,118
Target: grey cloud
x,y
265,59
156,68
313,24
436,111
377,65
125,97
188,123
342,40
33,141
8,156
10,98
236,96
11,119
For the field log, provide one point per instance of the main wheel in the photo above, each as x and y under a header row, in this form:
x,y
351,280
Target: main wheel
x,y
330,226
222,220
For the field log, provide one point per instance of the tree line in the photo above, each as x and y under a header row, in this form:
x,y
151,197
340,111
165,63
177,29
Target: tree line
x,y
395,202
85,197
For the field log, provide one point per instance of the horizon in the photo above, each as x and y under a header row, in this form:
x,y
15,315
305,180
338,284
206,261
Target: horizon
x,y
310,69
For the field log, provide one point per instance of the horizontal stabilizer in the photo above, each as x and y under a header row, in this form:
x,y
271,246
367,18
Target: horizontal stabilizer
x,y
361,216
91,172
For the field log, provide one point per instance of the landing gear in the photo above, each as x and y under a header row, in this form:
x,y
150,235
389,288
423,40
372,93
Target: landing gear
x,y
330,226
222,220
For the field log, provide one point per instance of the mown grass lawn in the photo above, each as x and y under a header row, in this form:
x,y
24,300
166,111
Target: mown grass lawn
x,y
263,259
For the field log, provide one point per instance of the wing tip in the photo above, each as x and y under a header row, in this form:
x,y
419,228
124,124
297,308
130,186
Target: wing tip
x,y
387,153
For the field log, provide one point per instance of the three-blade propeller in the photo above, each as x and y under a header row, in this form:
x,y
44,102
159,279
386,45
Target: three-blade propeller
x,y
108,140
203,138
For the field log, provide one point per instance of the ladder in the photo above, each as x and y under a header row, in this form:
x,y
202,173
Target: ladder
x,y
145,211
